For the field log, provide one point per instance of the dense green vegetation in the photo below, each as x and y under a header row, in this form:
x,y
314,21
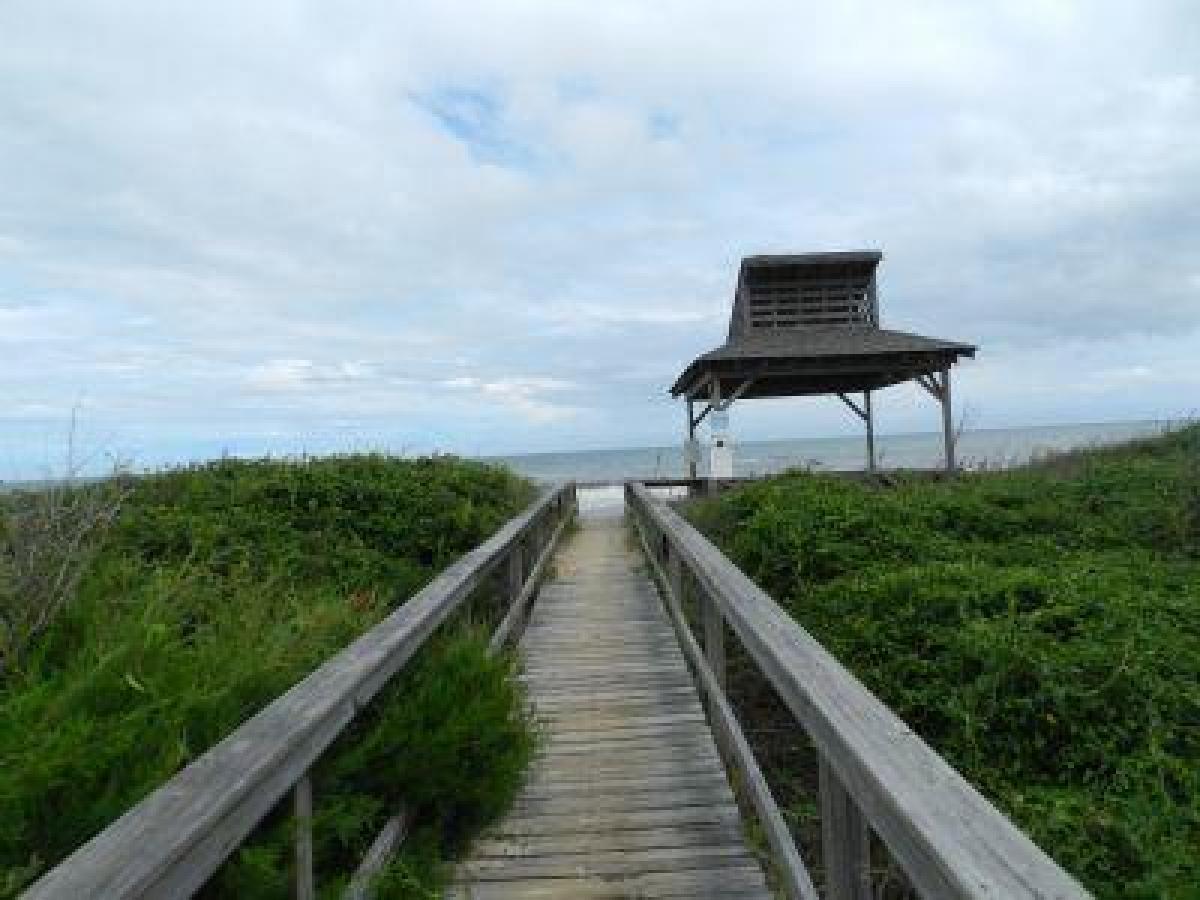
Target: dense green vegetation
x,y
212,591
1040,627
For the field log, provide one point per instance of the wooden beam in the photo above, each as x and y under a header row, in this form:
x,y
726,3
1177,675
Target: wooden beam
x,y
737,395
714,637
694,390
523,587
870,431
845,840
690,447
793,874
927,381
858,410
303,816
386,843
947,419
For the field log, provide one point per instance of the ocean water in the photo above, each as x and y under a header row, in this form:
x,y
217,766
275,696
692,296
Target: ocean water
x,y
978,448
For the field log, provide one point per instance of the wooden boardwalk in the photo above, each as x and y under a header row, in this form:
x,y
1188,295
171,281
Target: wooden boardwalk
x,y
628,797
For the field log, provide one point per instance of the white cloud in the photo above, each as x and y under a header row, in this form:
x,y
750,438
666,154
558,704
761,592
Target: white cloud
x,y
378,215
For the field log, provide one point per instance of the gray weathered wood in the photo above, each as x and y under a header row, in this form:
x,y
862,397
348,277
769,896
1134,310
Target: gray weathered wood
x,y
625,863
386,843
303,814
797,329
870,431
516,573
793,873
714,637
628,783
690,447
845,841
675,578
522,592
854,407
694,884
948,419
702,834
950,841
171,842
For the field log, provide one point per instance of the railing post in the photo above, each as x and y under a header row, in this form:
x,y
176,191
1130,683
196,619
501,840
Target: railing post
x,y
302,798
845,840
675,574
714,636
516,572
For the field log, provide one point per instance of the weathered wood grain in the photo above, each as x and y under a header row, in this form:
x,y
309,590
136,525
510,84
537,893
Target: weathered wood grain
x,y
695,884
628,797
845,841
303,801
791,870
386,843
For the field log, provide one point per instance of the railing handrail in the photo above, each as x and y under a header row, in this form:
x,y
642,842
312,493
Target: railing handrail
x,y
172,841
950,840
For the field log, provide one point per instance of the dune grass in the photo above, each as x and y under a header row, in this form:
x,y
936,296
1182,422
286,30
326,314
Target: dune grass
x,y
213,590
1040,627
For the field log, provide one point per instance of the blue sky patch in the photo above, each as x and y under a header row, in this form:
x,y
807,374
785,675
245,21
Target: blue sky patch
x,y
475,116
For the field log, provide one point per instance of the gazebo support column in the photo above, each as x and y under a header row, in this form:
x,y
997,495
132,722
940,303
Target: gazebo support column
x,y
947,420
938,385
865,413
870,417
689,449
714,403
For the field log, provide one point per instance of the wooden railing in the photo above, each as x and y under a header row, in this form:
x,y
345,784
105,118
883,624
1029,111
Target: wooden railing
x,y
875,773
170,844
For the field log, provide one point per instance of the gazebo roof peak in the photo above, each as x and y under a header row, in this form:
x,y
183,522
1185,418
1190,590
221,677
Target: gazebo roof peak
x,y
782,292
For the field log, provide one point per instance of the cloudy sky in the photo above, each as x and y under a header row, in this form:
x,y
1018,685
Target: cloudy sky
x,y
506,226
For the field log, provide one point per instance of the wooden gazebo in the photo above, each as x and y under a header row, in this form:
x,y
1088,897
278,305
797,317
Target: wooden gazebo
x,y
809,324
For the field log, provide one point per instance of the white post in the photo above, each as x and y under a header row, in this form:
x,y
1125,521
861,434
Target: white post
x,y
721,451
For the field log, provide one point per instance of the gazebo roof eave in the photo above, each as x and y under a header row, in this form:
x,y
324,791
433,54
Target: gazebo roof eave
x,y
874,369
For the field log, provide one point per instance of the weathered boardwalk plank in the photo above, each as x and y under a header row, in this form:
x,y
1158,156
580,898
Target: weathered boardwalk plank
x,y
628,797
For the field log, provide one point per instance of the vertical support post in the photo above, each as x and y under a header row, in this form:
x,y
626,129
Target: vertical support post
x,y
675,574
714,637
845,840
715,400
870,417
947,419
690,447
302,798
516,573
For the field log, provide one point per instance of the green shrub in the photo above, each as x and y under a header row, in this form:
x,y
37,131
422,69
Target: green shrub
x,y
217,588
1040,627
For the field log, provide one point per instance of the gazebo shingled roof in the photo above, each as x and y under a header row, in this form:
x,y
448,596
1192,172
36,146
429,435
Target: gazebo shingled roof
x,y
808,324
823,359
